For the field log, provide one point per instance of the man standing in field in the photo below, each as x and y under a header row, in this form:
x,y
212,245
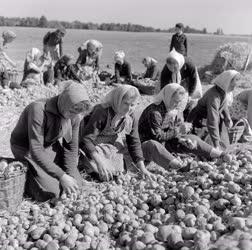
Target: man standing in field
x,y
52,43
179,40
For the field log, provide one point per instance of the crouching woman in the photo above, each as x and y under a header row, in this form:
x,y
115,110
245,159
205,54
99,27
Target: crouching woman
x,y
52,165
211,112
109,135
163,131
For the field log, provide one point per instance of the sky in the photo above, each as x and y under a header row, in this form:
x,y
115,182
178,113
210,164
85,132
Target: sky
x,y
233,16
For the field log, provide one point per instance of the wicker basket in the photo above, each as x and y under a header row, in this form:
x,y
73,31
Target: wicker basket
x,y
13,75
150,89
12,186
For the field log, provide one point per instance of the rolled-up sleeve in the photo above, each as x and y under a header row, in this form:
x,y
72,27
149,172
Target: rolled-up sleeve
x,y
156,128
134,143
71,148
36,140
213,119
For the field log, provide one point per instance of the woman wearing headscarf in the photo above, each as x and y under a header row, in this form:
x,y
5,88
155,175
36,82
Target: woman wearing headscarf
x,y
33,68
179,69
52,166
89,57
123,72
64,69
6,64
212,110
152,71
240,110
163,131
109,135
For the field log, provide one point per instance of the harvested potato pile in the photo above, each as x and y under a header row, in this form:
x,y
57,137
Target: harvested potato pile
x,y
207,208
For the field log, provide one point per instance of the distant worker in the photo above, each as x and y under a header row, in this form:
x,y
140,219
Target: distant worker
x,y
123,72
179,40
7,66
89,58
52,43
33,68
152,70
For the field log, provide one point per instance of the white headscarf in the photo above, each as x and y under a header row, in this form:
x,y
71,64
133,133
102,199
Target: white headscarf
x,y
179,58
33,54
119,56
224,79
165,95
92,42
150,60
114,99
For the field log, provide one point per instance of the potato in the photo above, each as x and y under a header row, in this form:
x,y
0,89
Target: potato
x,y
37,233
41,244
148,238
188,233
103,227
52,245
138,245
56,232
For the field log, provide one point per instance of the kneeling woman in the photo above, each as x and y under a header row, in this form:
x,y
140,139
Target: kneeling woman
x,y
109,133
33,68
179,69
152,71
162,129
241,114
36,139
123,72
212,110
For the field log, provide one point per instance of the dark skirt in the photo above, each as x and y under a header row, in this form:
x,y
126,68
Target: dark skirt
x,y
40,186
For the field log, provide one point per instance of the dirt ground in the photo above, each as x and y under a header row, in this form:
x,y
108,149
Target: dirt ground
x,y
8,120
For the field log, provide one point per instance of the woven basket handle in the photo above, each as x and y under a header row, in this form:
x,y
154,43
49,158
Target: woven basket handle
x,y
12,164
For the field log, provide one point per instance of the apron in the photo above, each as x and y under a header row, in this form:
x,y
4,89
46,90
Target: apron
x,y
87,70
53,51
111,146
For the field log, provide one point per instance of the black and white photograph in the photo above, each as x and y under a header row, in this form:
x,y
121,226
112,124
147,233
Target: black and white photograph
x,y
126,125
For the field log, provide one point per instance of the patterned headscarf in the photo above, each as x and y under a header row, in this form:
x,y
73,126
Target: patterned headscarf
x,y
150,60
114,99
91,43
72,94
224,79
119,56
8,36
33,54
166,94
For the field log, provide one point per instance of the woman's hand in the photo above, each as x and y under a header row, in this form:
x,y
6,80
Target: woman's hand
x,y
185,128
104,173
228,123
103,170
145,173
188,143
69,184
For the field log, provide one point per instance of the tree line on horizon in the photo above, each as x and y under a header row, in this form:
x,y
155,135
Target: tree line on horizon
x,y
42,22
